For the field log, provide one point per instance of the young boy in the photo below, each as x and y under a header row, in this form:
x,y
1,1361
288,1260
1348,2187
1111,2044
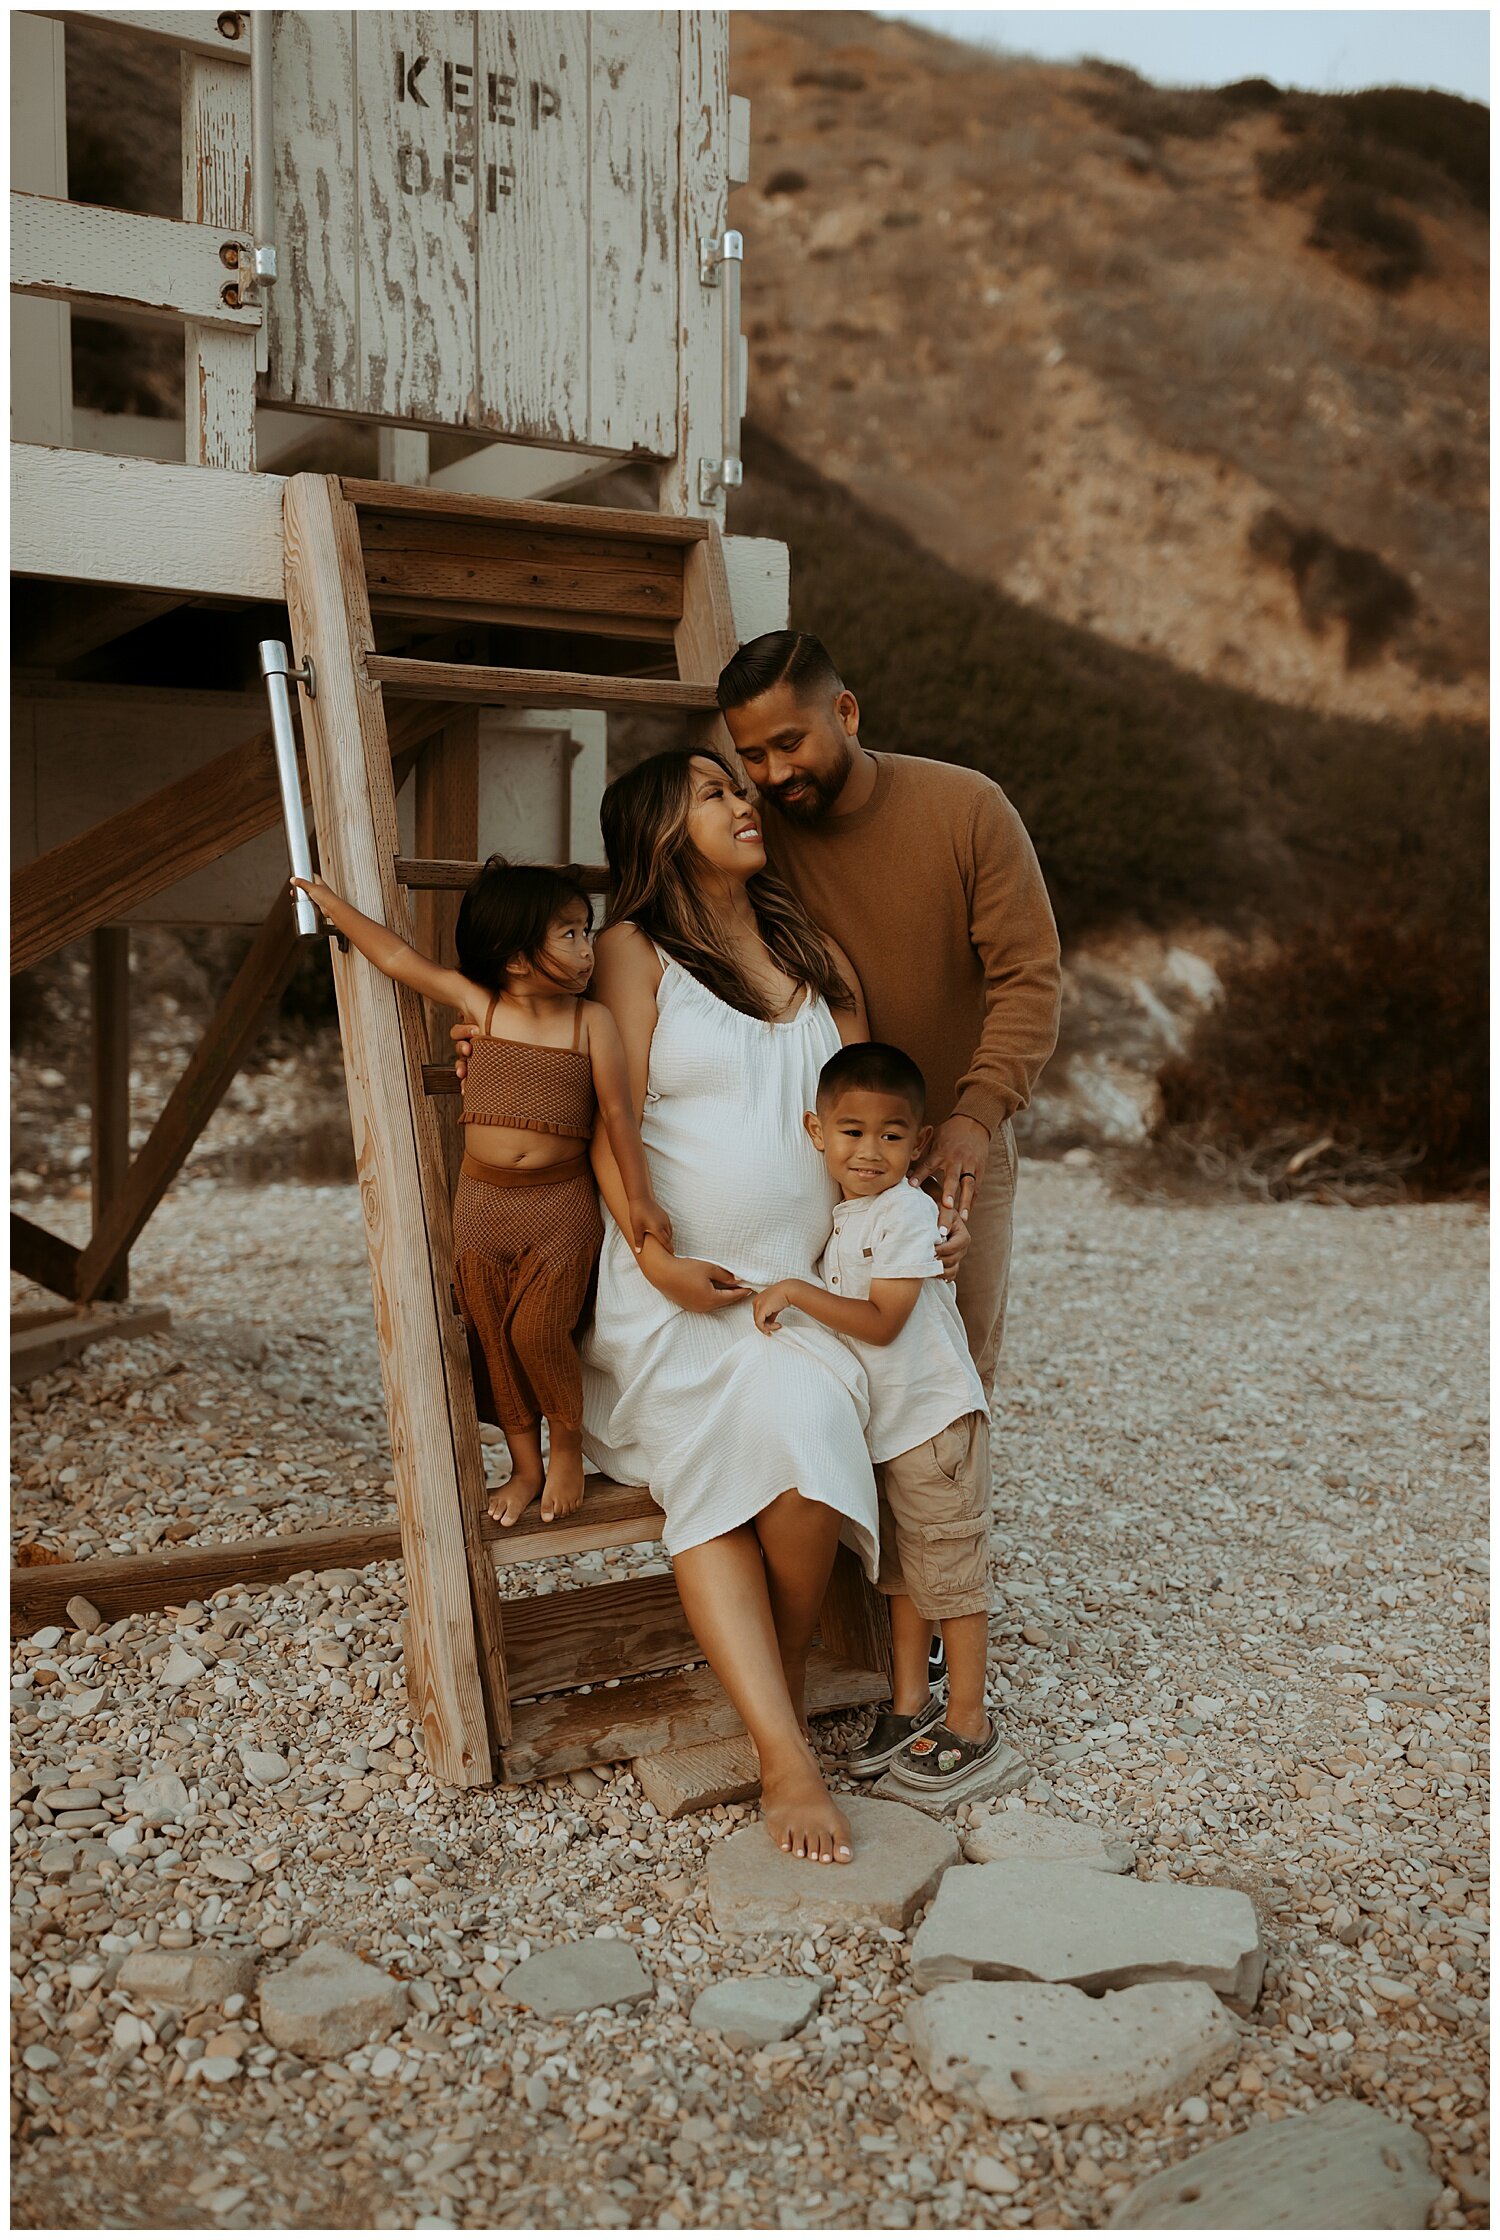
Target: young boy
x,y
882,1290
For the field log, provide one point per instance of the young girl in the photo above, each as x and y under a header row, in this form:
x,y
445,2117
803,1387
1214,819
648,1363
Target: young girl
x,y
526,1225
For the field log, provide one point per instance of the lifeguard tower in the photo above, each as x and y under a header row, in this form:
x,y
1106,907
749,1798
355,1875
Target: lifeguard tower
x,y
498,241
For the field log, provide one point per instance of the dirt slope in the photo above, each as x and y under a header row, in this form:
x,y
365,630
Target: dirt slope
x,y
1084,361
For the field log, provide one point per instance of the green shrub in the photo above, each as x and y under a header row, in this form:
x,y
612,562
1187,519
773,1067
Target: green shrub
x,y
1368,1029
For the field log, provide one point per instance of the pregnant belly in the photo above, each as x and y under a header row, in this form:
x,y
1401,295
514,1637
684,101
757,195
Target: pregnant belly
x,y
763,1215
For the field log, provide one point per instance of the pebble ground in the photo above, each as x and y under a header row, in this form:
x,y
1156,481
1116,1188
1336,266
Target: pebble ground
x,y
1242,1588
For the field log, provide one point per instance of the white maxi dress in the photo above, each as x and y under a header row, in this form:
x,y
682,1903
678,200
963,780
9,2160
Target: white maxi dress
x,y
715,1417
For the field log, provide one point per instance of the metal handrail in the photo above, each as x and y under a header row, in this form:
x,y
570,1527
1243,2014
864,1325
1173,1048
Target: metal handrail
x,y
276,668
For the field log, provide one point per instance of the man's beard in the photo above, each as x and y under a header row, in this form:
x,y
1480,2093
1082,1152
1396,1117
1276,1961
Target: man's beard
x,y
816,797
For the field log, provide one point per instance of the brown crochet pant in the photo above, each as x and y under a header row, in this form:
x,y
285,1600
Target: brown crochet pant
x,y
524,1248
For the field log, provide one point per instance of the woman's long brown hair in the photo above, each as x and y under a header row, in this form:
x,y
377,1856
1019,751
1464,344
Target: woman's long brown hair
x,y
653,883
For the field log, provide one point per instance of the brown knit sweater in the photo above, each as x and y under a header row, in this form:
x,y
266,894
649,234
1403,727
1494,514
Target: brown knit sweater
x,y
933,890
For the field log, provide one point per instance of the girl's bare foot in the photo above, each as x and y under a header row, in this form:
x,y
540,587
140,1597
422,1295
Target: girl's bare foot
x,y
509,1503
563,1492
802,1816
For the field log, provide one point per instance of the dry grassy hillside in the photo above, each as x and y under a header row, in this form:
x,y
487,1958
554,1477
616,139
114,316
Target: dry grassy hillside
x,y
1070,331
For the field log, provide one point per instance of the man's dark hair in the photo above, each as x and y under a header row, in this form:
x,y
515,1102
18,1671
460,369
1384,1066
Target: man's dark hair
x,y
878,1066
506,913
791,657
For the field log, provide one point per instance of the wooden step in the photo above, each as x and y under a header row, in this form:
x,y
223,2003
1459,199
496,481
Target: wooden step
x,y
539,513
668,1712
555,576
617,1630
404,679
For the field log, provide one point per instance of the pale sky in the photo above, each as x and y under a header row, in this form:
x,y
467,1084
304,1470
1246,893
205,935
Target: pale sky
x,y
1319,50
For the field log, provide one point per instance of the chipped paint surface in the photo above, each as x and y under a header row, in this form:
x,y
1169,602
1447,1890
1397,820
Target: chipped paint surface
x,y
479,220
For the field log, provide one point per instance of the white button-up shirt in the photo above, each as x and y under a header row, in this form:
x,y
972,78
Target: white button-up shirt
x,y
925,1378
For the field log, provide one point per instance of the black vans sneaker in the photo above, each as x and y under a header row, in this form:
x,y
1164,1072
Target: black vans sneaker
x,y
892,1731
937,1664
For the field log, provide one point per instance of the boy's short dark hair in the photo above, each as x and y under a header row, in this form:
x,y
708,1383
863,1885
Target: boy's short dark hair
x,y
878,1066
506,913
793,657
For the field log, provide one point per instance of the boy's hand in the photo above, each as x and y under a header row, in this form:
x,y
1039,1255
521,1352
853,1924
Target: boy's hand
x,y
647,1219
773,1302
952,1246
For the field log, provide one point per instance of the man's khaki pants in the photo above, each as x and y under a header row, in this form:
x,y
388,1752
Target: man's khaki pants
x,y
984,1276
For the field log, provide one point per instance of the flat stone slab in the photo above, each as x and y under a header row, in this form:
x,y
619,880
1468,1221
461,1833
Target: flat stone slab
x,y
757,1889
1344,2168
328,2002
1043,2052
1003,1773
572,1978
202,1976
756,2010
1000,1836
1033,1921
697,1778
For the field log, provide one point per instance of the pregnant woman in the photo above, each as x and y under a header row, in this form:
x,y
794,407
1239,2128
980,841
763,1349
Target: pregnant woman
x,y
728,1000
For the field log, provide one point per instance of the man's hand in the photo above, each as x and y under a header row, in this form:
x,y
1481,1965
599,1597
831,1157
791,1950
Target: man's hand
x,y
957,1155
462,1039
647,1219
773,1302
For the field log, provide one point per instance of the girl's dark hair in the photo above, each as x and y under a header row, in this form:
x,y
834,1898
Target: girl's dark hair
x,y
506,912
654,872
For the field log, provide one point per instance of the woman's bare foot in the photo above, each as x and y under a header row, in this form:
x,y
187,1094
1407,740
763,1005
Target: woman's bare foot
x,y
509,1503
563,1492
802,1816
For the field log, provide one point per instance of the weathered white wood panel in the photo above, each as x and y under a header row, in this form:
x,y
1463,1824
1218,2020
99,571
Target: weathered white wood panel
x,y
41,354
70,250
634,234
199,30
314,307
759,572
92,519
533,363
414,84
541,780
218,367
702,205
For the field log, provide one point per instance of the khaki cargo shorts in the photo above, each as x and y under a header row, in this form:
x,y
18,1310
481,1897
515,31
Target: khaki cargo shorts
x,y
935,1521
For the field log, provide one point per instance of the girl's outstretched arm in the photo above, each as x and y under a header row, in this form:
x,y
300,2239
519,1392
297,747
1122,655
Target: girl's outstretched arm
x,y
617,1110
389,954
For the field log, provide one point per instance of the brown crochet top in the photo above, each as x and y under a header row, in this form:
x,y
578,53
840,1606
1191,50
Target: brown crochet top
x,y
516,1085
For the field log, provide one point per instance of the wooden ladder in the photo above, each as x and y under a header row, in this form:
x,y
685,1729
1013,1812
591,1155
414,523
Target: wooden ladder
x,y
487,1677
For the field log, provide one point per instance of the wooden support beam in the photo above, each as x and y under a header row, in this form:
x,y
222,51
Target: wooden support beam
x,y
109,981
421,873
198,30
169,1577
205,532
447,824
454,1625
118,260
219,365
52,1344
232,1032
42,1258
539,688
100,874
